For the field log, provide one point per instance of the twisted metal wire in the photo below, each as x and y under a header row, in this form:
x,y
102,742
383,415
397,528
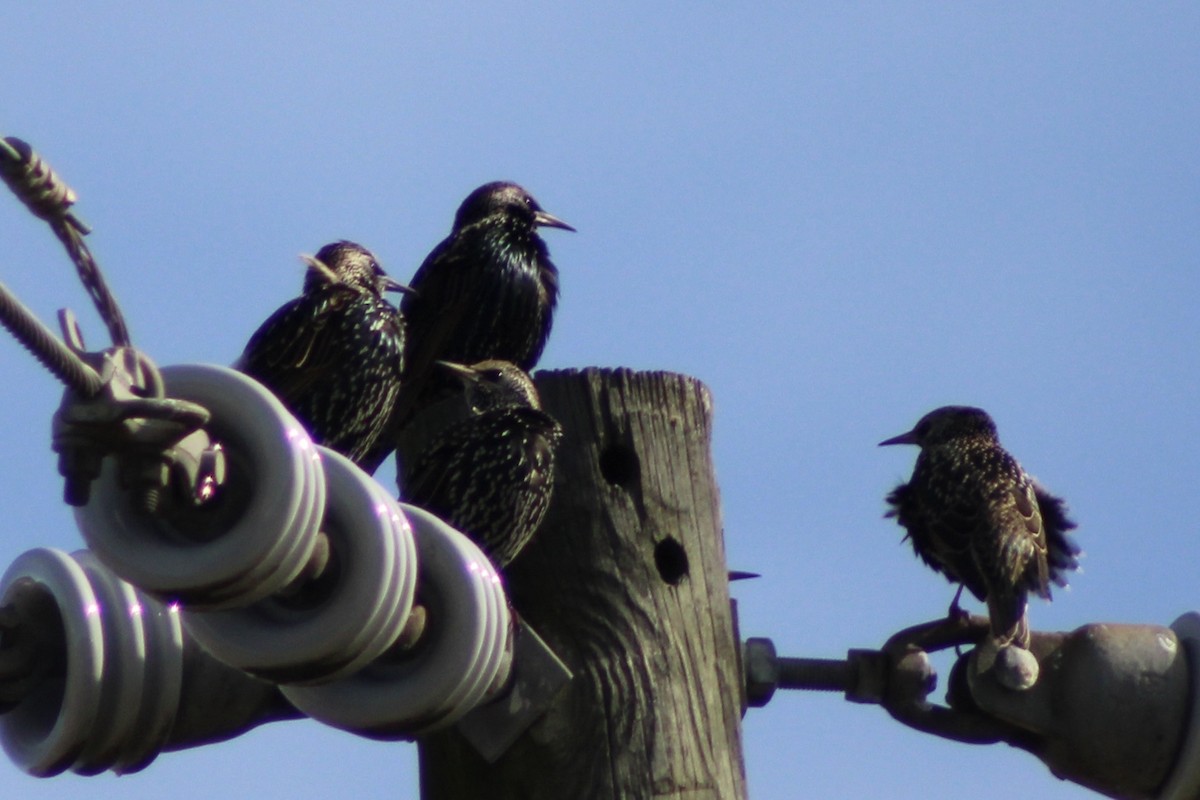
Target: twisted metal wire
x,y
66,365
46,195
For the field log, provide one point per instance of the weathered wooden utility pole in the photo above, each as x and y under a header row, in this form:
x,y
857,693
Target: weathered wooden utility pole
x,y
627,583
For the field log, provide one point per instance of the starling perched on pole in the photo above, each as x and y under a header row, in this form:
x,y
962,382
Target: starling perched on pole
x,y
491,474
487,291
975,516
334,355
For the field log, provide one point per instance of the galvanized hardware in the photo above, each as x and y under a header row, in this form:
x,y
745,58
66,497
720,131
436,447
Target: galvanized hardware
x,y
538,675
152,436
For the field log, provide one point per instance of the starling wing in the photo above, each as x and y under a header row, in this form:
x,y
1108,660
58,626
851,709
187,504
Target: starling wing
x,y
491,477
942,539
310,354
291,352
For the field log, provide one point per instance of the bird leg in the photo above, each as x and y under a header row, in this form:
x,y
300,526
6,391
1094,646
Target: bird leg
x,y
957,614
956,611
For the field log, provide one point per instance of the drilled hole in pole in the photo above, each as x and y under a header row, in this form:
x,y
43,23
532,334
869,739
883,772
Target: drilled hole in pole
x,y
619,465
671,560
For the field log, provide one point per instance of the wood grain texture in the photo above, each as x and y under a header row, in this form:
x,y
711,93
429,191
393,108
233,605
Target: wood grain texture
x,y
654,710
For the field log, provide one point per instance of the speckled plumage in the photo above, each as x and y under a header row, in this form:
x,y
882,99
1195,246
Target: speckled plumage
x,y
487,291
974,515
334,355
492,474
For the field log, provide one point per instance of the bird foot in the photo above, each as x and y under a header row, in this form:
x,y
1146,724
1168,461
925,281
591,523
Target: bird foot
x,y
956,612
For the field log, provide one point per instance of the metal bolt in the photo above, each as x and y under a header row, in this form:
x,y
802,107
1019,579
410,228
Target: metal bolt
x,y
765,672
762,670
79,466
146,476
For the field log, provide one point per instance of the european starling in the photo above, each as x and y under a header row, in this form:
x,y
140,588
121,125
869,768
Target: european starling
x,y
334,355
490,475
975,516
487,291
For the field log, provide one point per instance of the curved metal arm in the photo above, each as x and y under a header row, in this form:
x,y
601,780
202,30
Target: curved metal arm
x,y
1111,709
906,695
899,677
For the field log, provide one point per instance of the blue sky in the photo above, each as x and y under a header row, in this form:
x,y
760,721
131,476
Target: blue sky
x,y
837,216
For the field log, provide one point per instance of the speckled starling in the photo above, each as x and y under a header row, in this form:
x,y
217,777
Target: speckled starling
x,y
487,291
334,355
490,475
975,516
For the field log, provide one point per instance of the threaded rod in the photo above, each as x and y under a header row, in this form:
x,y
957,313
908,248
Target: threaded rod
x,y
66,365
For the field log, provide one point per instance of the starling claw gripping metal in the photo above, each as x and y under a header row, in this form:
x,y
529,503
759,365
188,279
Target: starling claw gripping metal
x,y
905,698
1116,707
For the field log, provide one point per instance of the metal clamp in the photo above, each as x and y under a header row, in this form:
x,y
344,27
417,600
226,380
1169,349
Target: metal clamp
x,y
900,677
130,417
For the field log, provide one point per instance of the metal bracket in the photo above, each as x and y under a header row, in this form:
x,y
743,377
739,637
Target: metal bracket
x,y
900,677
538,676
131,418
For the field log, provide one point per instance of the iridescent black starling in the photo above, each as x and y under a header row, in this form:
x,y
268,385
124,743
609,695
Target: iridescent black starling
x,y
487,291
975,516
490,475
334,355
